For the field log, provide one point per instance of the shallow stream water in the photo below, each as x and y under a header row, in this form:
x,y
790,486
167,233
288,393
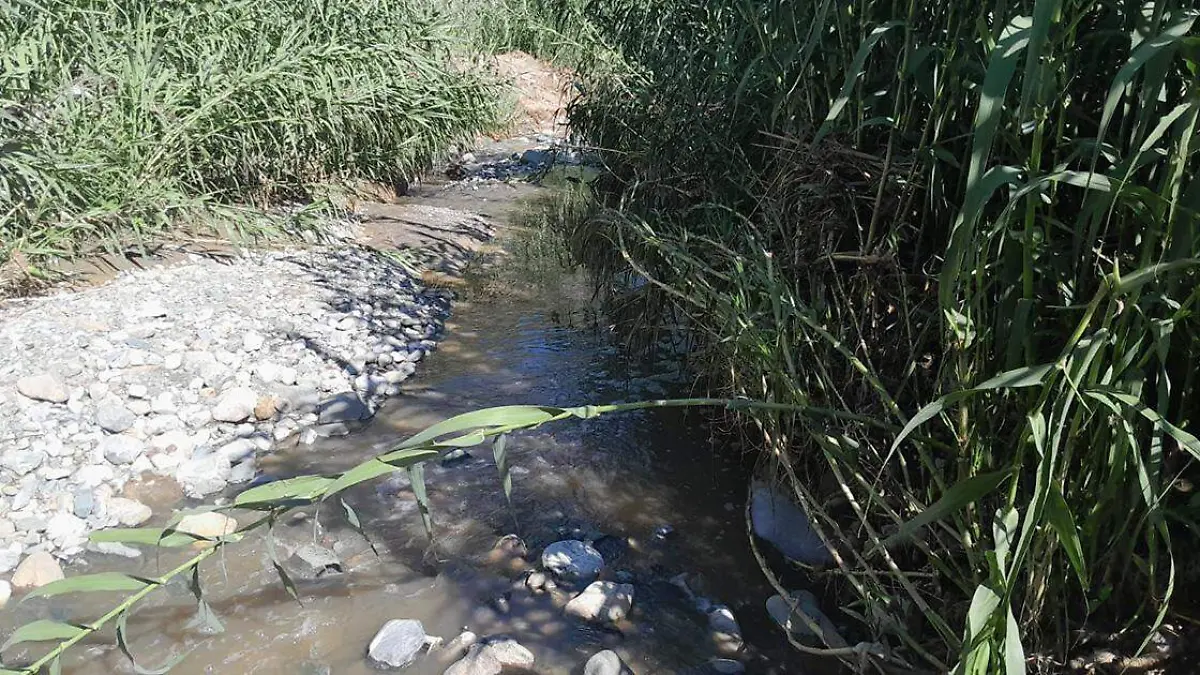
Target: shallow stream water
x,y
653,484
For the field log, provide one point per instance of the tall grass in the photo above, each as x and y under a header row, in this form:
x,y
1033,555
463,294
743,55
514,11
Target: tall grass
x,y
974,227
127,116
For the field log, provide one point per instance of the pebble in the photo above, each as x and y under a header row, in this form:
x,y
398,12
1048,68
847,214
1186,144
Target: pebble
x,y
210,525
5,593
114,417
121,449
128,512
43,387
235,405
36,570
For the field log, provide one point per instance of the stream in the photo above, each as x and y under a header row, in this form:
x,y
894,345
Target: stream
x,y
652,488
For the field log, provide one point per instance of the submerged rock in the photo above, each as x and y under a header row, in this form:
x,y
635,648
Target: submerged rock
x,y
493,657
398,643
726,633
779,520
573,561
606,663
793,620
602,602
36,570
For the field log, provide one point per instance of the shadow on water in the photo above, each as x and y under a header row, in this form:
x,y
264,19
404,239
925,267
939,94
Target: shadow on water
x,y
649,487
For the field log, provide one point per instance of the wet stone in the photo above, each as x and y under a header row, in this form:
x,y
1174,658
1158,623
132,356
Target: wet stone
x,y
397,644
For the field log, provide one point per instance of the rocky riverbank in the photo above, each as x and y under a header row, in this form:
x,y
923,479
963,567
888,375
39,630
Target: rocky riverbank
x,y
192,371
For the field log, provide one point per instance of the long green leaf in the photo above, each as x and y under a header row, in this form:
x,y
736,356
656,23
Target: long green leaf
x,y
149,536
958,496
511,415
1063,522
89,583
42,630
299,489
852,74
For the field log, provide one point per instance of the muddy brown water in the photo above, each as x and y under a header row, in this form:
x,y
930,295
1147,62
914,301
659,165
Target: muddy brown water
x,y
514,337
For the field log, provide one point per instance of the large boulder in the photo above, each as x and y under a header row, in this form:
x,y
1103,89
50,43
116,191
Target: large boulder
x,y
779,520
602,602
573,561
397,644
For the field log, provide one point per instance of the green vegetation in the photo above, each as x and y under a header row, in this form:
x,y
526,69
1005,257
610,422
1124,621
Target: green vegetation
x,y
122,118
974,226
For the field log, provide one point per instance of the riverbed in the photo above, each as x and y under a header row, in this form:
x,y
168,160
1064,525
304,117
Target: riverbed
x,y
658,496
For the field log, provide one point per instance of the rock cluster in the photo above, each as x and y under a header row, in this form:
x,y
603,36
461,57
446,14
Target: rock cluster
x,y
191,371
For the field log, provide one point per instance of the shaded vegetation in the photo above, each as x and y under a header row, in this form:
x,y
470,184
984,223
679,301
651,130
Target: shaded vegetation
x,y
976,226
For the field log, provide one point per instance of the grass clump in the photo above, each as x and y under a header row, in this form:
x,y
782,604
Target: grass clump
x,y
972,229
123,117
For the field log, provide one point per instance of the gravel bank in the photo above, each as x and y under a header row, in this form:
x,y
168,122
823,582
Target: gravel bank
x,y
191,371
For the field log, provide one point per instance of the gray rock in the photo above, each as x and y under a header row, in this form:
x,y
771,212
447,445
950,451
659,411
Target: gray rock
x,y
606,663
43,387
235,405
205,475
114,418
164,403
127,512
137,391
572,560
83,502
313,561
66,531
602,602
10,555
726,633
777,519
800,614
114,548
492,657
121,449
244,472
22,462
398,643
345,407
253,341
5,593
238,450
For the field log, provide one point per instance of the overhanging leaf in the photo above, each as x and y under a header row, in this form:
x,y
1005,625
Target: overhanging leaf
x,y
356,524
499,451
509,415
42,630
149,536
416,475
89,583
299,489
